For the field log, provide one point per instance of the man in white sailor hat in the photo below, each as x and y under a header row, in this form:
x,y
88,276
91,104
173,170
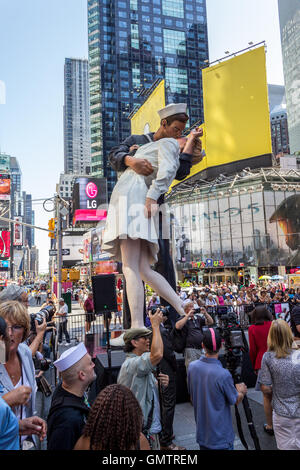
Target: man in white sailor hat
x,y
69,407
173,121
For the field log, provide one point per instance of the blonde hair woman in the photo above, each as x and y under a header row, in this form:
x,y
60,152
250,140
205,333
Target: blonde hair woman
x,y
280,379
17,376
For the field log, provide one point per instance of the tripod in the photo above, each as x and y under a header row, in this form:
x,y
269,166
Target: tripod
x,y
108,348
234,362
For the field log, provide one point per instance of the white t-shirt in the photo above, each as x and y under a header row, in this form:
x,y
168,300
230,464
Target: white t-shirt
x,y
63,309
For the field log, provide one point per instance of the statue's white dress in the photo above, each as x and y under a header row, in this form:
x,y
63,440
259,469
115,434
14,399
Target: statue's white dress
x,y
126,216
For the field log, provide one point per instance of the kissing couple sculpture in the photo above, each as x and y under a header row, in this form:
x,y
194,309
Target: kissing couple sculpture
x,y
132,229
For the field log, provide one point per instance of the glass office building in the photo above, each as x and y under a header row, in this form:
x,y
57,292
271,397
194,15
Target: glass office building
x,y
289,16
77,144
132,43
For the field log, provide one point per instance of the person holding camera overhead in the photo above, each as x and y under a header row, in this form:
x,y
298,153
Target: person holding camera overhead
x,y
191,325
137,373
17,376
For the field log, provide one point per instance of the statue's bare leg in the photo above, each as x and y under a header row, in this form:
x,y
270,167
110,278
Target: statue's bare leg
x,y
156,281
131,251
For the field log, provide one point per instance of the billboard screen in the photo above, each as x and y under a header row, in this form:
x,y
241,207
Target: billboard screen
x,y
4,187
89,193
74,244
4,244
4,162
92,242
146,119
89,215
4,212
257,229
18,236
236,115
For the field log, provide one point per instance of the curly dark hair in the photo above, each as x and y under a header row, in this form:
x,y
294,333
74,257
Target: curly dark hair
x,y
115,420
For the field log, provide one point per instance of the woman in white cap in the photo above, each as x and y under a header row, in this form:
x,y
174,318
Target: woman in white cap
x,y
131,233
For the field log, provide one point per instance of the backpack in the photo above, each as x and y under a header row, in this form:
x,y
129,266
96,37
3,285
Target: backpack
x,y
178,338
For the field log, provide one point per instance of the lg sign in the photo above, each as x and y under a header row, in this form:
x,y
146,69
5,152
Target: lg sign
x,y
91,190
89,193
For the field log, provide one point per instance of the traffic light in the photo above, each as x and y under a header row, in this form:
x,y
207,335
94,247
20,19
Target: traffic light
x,y
51,226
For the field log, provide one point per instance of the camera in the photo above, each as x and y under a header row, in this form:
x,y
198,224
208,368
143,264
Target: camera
x,y
165,310
235,342
46,312
42,364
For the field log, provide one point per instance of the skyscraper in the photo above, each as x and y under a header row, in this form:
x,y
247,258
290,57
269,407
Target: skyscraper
x,y
289,16
16,183
278,117
77,146
131,44
28,218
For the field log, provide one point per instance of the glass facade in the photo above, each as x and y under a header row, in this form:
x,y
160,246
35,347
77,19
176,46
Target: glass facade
x,y
250,226
77,145
131,44
171,8
289,16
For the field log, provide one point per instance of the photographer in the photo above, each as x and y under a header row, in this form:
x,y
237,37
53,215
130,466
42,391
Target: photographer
x,y
137,372
212,393
191,325
19,368
11,428
168,366
19,294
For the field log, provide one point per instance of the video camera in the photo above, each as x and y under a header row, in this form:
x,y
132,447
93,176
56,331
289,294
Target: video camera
x,y
235,342
165,310
235,345
46,312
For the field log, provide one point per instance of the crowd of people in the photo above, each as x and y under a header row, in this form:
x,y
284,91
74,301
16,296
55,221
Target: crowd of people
x,y
232,294
137,413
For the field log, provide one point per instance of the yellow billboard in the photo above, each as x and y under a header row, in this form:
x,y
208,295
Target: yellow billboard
x,y
146,119
236,115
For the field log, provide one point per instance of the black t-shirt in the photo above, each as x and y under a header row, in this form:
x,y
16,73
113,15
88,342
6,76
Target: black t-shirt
x,y
66,419
194,332
295,321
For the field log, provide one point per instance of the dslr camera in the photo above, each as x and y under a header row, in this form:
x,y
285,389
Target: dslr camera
x,y
165,310
46,312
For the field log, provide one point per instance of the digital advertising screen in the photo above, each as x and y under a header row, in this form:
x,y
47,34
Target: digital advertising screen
x,y
4,244
4,187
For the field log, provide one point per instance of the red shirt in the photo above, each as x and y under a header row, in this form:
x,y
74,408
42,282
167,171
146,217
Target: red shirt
x,y
258,335
89,305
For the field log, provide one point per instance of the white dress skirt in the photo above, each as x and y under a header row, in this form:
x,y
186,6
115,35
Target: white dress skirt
x,y
126,217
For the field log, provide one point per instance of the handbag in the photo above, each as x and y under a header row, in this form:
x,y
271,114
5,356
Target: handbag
x,y
44,386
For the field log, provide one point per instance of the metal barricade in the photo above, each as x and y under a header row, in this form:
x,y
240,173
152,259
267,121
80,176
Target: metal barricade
x,y
76,324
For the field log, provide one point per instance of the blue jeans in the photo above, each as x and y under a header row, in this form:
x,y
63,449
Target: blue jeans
x,y
206,448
